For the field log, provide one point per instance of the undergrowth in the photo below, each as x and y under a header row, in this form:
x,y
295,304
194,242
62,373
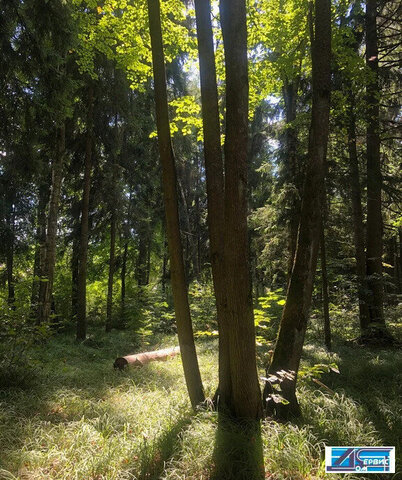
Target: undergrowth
x,y
80,419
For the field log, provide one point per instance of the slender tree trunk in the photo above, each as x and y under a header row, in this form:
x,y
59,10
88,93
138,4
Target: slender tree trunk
x,y
169,186
357,212
10,222
245,397
164,264
46,285
141,267
149,248
295,315
374,176
215,186
113,222
399,261
40,245
112,261
290,141
325,296
123,276
84,230
75,266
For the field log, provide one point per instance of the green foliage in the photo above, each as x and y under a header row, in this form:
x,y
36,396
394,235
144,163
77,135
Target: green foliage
x,y
267,316
18,335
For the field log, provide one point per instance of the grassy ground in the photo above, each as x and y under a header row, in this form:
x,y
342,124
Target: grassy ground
x,y
77,418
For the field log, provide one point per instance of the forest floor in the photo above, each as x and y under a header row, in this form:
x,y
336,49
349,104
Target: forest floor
x,y
74,417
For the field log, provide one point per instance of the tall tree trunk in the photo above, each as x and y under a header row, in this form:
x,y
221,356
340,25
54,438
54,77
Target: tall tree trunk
x,y
164,263
169,186
10,222
290,143
40,245
113,222
149,248
357,212
295,315
46,285
215,186
112,262
75,265
123,277
141,267
244,399
84,230
374,176
325,296
399,261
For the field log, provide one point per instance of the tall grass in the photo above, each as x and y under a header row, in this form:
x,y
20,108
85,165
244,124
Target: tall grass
x,y
80,419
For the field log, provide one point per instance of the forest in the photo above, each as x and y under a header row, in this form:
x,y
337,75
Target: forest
x,y
200,238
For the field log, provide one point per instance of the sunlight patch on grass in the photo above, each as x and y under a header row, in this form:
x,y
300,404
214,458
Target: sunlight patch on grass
x,y
84,421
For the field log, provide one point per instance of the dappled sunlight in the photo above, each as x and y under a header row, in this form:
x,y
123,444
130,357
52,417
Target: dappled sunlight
x,y
138,423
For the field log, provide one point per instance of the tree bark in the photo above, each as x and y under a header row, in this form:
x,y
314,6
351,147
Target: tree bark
x,y
113,222
244,400
46,284
374,176
215,186
295,315
325,296
75,262
142,259
399,261
84,229
291,162
10,223
123,276
169,186
112,262
40,245
357,212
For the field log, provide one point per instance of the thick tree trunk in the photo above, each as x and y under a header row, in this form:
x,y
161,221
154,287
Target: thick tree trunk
x,y
112,262
357,212
84,230
169,186
295,315
325,296
374,176
244,399
215,186
46,285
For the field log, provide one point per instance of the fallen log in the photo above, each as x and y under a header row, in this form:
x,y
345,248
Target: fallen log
x,y
140,359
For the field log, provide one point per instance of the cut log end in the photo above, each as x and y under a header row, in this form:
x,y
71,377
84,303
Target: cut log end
x,y
120,363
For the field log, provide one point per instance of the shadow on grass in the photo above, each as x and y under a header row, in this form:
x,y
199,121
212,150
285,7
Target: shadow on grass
x,y
66,368
238,453
372,378
156,455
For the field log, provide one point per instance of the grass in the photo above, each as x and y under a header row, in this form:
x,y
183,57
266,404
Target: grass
x,y
78,419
